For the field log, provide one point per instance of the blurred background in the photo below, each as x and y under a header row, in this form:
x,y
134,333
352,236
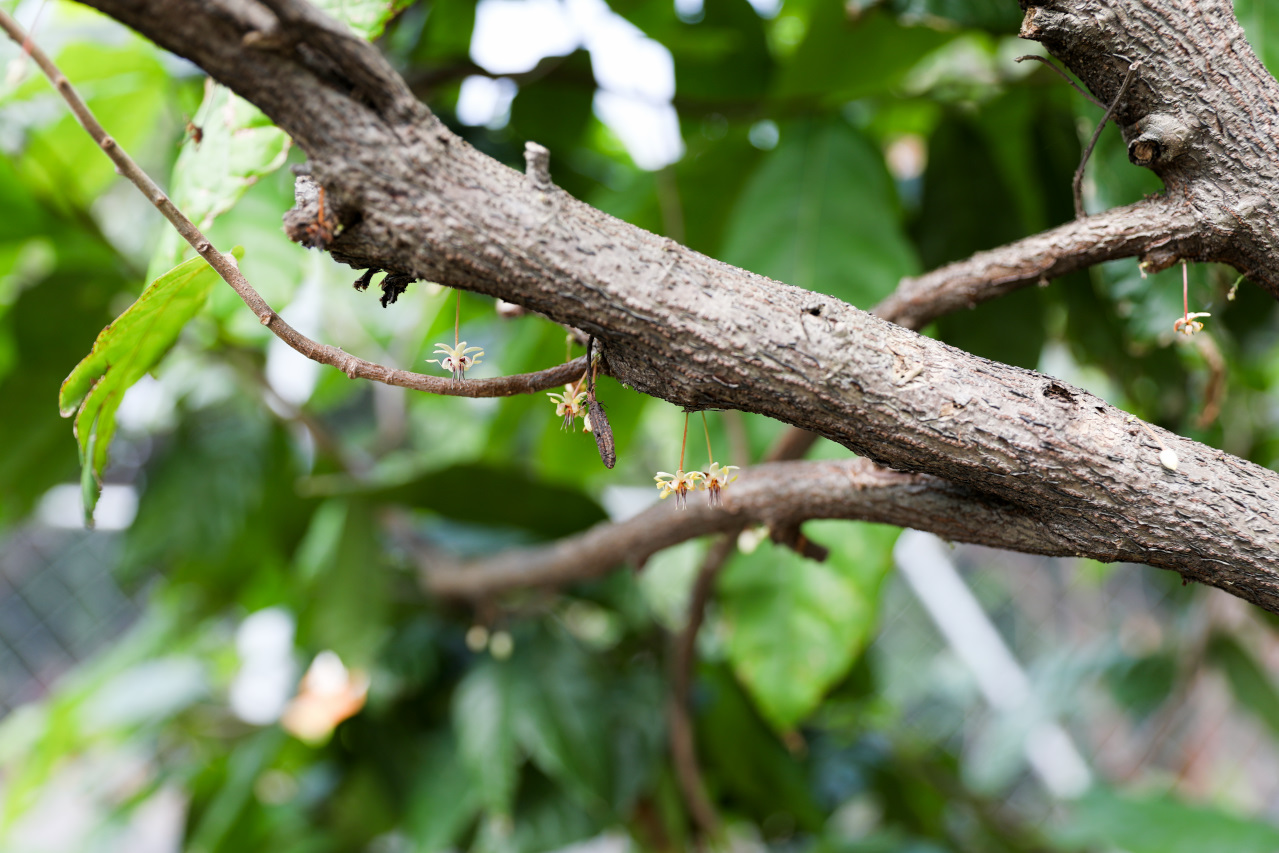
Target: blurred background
x,y
238,654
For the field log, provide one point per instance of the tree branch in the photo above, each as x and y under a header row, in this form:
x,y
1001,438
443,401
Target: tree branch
x,y
779,495
1156,229
411,196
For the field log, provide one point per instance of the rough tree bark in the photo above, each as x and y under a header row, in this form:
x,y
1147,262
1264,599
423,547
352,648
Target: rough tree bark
x,y
409,196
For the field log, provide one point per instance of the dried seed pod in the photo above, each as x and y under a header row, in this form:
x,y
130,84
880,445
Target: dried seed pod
x,y
603,432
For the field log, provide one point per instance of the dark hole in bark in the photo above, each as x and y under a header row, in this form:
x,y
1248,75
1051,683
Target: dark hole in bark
x,y
1057,391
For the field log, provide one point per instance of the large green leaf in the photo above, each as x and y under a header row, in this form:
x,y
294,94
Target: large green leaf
x,y
821,213
125,85
995,15
722,57
1105,820
237,146
794,625
967,207
346,583
122,354
444,801
744,759
842,59
42,335
558,719
483,717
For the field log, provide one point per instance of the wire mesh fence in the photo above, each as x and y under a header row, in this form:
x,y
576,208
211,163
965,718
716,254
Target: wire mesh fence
x,y
60,603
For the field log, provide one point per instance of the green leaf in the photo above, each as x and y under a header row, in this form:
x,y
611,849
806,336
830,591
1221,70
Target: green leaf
x,y
558,719
122,354
994,15
842,59
821,213
722,57
1161,824
243,765
446,36
1248,679
1260,20
366,17
744,759
483,717
794,626
444,800
966,208
485,494
347,595
238,146
1142,684
124,85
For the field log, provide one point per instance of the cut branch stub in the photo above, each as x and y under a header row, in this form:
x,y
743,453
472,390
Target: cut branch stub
x,y
1201,115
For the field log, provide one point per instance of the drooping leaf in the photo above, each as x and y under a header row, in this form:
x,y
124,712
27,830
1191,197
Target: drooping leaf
x,y
724,56
821,213
744,759
347,601
42,335
794,625
446,35
122,354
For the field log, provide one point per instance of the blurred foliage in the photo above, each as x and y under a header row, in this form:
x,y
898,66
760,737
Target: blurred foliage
x,y
836,146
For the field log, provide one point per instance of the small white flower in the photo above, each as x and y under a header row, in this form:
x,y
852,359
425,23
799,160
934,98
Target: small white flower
x,y
714,481
1189,324
569,405
457,359
680,483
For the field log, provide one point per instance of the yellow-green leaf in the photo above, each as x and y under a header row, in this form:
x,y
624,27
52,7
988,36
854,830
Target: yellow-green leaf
x,y
122,354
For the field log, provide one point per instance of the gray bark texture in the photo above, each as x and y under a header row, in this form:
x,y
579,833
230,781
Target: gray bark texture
x,y
406,195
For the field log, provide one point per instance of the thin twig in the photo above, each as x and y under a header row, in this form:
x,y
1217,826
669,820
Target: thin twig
x,y
1092,143
683,655
1046,61
225,266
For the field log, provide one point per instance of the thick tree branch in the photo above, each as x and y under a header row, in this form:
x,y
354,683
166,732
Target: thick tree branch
x,y
675,324
1202,114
